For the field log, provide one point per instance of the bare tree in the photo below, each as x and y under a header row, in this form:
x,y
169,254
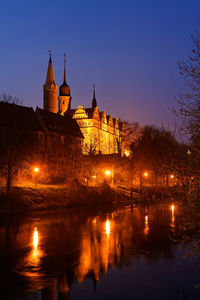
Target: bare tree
x,y
16,150
17,144
189,102
10,99
132,131
157,151
91,148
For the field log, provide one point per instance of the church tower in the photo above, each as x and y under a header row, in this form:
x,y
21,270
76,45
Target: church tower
x,y
50,90
64,94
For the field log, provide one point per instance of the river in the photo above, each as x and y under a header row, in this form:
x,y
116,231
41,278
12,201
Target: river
x,y
133,252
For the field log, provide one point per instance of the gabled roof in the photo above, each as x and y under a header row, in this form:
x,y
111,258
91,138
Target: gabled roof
x,y
18,117
56,123
89,111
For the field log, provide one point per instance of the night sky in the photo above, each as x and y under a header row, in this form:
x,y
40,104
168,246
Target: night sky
x,y
129,49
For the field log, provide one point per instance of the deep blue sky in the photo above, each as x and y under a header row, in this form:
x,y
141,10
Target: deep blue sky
x,y
128,48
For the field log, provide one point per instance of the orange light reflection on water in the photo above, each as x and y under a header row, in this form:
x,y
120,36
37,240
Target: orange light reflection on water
x,y
35,255
30,265
173,216
146,225
107,227
97,252
35,238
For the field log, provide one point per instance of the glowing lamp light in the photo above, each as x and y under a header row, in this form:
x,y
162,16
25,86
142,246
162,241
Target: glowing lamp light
x,y
108,172
172,176
145,174
36,169
94,221
127,153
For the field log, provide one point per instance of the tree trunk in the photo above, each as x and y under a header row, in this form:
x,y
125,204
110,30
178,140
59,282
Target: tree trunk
x,y
156,179
131,178
140,181
8,183
167,180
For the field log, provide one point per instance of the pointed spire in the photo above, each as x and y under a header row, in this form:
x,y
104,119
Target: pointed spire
x,y
94,91
50,75
50,90
94,101
64,81
49,55
64,89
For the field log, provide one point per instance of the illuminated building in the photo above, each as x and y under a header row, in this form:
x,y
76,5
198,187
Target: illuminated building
x,y
102,133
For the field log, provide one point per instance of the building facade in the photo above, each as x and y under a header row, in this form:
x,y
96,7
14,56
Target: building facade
x,y
102,133
39,138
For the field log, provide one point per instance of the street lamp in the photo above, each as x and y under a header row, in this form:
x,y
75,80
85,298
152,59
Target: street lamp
x,y
108,172
36,169
146,174
127,153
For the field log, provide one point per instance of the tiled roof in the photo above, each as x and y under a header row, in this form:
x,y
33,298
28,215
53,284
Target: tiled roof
x,y
18,117
56,123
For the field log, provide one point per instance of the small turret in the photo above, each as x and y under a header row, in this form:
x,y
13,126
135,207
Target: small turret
x,y
50,90
64,93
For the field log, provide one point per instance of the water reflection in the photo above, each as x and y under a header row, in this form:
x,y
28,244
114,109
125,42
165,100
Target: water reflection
x,y
29,265
34,257
173,216
35,239
146,225
85,246
108,227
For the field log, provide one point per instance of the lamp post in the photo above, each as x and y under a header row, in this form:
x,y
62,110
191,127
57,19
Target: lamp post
x,y
145,175
36,170
110,173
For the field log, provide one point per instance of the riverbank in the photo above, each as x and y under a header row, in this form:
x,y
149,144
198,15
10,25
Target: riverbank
x,y
161,193
40,197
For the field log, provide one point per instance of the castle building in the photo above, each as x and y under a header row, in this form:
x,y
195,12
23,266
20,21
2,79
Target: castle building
x,y
102,133
39,138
